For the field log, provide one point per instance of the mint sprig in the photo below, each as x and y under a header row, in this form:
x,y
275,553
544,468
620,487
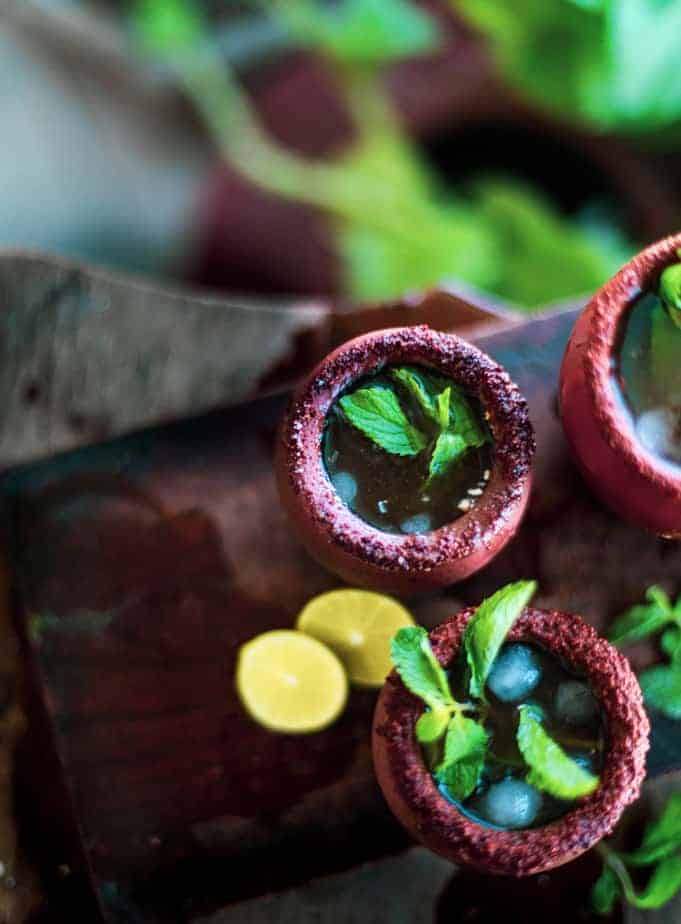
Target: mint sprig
x,y
660,849
376,411
464,758
465,739
551,769
661,684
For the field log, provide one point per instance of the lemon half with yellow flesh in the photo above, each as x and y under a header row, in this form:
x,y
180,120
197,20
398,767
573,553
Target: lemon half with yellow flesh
x,y
290,682
358,625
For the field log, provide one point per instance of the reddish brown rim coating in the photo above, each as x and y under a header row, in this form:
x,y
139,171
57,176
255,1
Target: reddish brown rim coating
x,y
430,818
610,305
350,546
606,313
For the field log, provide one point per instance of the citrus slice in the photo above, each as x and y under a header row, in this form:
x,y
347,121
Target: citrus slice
x,y
290,682
358,626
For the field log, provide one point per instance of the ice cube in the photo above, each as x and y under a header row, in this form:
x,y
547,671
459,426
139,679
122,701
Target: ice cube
x,y
511,804
345,485
419,523
515,673
660,431
575,704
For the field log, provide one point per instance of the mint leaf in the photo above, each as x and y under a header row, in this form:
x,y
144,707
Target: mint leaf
x,y
424,388
661,837
550,767
644,619
488,628
670,292
464,758
605,892
432,725
443,401
419,669
661,687
448,448
465,421
376,411
663,885
670,642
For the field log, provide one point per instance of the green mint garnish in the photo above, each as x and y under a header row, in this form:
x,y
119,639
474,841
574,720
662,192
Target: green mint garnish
x,y
659,849
551,770
661,687
448,448
377,413
464,758
419,669
670,291
488,628
644,619
661,684
661,837
466,739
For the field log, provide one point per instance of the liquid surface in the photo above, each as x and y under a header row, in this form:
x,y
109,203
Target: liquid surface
x,y
527,674
393,493
647,376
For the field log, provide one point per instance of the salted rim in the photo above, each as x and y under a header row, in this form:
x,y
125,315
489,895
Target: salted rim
x,y
466,365
608,307
526,851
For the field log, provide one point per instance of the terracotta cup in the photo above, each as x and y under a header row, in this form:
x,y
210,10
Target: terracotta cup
x,y
357,551
415,799
618,468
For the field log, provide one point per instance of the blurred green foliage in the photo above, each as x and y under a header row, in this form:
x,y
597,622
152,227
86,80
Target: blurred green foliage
x,y
360,32
397,228
612,63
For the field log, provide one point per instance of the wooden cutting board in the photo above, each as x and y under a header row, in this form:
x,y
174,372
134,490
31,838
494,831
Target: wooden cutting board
x,y
143,564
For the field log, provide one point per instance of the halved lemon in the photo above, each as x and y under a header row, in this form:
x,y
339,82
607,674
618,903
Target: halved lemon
x,y
358,626
290,682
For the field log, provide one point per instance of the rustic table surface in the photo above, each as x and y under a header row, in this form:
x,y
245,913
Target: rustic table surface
x,y
142,564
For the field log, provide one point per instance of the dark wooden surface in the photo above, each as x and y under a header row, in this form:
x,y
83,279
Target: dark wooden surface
x,y
141,567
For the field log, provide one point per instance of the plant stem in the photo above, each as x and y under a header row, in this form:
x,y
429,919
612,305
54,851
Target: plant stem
x,y
612,859
342,191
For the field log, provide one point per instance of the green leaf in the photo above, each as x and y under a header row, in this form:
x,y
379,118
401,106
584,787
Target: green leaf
x,y
644,619
670,292
163,26
432,725
576,58
443,402
426,389
670,642
661,687
419,669
662,886
448,449
605,892
361,31
464,758
550,767
465,421
377,413
488,628
661,837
